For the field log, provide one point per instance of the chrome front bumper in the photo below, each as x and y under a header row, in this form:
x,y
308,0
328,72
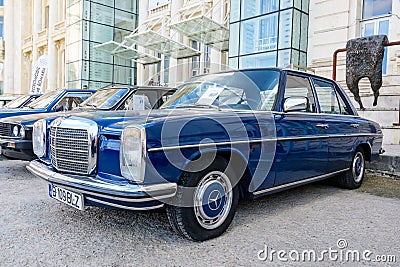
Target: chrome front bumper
x,y
100,193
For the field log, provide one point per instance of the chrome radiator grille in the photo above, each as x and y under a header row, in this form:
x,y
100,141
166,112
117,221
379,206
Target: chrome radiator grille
x,y
70,150
5,129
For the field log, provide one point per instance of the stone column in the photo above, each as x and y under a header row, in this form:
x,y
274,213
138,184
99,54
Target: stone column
x,y
51,46
143,14
19,17
9,49
37,27
175,65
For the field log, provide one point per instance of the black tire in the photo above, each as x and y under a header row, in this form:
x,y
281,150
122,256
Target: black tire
x,y
188,219
353,178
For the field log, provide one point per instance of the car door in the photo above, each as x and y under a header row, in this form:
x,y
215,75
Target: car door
x,y
342,126
302,149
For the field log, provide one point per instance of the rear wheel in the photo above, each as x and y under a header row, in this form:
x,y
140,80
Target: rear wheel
x,y
354,177
205,203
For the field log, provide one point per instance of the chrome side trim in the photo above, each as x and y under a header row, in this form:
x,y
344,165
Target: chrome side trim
x,y
124,207
305,181
315,114
210,144
326,136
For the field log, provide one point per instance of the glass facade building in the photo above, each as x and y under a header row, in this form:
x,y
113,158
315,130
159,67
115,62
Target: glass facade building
x,y
92,22
268,33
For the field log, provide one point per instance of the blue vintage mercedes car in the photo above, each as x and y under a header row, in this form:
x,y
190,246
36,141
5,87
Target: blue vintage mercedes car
x,y
53,101
19,146
219,138
21,101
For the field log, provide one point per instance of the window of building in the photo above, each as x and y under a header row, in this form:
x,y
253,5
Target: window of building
x,y
259,34
1,27
376,8
207,59
166,70
262,60
195,60
1,2
252,8
235,10
269,33
375,27
46,17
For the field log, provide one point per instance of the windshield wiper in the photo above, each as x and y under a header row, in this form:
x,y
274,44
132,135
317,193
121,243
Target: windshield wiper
x,y
196,105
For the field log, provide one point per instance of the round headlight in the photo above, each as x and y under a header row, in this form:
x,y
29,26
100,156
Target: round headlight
x,y
39,138
22,132
15,131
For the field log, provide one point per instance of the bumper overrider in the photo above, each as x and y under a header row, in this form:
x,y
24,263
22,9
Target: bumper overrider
x,y
100,193
16,143
17,148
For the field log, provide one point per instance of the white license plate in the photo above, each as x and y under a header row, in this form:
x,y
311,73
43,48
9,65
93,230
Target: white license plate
x,y
65,196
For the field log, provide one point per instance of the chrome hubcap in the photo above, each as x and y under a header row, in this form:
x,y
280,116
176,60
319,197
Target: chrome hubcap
x,y
213,200
358,167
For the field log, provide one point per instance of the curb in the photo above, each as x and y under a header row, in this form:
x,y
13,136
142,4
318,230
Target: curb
x,y
386,165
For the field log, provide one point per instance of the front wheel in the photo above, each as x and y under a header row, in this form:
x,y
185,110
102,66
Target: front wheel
x,y
353,178
205,203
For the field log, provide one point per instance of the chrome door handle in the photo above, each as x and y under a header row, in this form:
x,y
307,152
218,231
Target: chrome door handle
x,y
355,125
325,126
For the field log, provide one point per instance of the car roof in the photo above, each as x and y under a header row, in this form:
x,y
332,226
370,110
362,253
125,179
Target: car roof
x,y
79,90
271,68
141,87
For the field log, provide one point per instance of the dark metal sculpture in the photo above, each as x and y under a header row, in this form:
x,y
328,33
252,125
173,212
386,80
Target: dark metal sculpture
x,y
364,59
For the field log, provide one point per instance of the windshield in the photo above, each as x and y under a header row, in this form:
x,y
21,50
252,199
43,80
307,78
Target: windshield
x,y
44,101
105,98
16,103
248,90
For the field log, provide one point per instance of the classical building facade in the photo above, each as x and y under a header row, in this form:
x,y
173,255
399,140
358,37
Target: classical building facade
x,y
1,46
66,31
32,29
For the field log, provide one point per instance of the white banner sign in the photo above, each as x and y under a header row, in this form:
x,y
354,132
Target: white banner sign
x,y
38,75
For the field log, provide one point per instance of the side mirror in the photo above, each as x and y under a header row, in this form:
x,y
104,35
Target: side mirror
x,y
295,103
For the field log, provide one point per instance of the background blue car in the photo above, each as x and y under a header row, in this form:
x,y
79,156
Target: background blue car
x,y
57,100
54,101
21,101
20,146
220,137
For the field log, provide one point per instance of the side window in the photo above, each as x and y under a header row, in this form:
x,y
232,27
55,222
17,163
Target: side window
x,y
129,104
70,101
329,101
297,86
344,109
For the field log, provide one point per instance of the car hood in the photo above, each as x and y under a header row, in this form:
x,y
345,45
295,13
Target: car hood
x,y
17,112
196,121
29,120
114,120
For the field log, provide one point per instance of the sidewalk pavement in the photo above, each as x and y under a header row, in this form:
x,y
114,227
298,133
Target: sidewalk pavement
x,y
388,163
392,150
